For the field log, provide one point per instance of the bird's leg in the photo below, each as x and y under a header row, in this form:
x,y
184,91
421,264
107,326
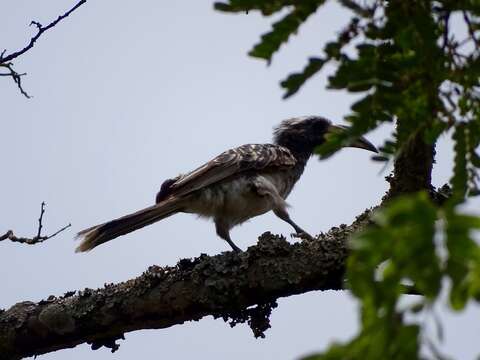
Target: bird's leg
x,y
265,188
300,233
224,232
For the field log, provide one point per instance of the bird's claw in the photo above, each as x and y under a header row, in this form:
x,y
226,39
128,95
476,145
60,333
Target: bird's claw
x,y
302,235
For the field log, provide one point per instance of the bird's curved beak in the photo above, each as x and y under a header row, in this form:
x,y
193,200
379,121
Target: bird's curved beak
x,y
360,142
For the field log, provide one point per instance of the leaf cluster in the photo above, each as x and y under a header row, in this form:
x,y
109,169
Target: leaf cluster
x,y
403,248
414,66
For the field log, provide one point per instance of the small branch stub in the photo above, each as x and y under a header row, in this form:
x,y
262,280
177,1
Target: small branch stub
x,y
9,235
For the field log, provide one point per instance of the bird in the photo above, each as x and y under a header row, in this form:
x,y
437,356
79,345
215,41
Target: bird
x,y
235,186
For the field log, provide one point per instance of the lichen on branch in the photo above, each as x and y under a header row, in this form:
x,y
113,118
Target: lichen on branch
x,y
236,287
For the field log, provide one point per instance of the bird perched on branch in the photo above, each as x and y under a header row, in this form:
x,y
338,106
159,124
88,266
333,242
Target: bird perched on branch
x,y
237,185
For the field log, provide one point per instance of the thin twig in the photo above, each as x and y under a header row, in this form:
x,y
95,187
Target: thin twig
x,y
42,211
9,235
5,59
470,28
17,78
446,19
41,29
447,97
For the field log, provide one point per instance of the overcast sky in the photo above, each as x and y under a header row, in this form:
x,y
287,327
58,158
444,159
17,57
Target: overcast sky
x,y
129,93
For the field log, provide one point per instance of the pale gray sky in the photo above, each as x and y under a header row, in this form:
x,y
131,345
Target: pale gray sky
x,y
127,94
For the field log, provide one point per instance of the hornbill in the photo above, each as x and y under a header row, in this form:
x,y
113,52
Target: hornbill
x,y
235,186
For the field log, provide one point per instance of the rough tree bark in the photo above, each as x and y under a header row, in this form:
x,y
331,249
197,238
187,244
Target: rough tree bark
x,y
413,168
225,285
238,287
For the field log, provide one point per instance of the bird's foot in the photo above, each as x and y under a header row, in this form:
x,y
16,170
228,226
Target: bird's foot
x,y
234,247
302,235
237,250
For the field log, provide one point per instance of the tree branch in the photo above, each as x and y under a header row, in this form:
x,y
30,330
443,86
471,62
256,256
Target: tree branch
x,y
17,78
412,170
40,30
5,59
470,28
225,285
9,235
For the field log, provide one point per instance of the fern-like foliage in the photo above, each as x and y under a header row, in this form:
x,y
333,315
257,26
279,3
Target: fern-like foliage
x,y
411,67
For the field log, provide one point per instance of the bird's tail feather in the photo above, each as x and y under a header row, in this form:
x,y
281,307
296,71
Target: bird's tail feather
x,y
99,234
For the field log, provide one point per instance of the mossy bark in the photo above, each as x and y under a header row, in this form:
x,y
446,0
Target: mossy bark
x,y
225,285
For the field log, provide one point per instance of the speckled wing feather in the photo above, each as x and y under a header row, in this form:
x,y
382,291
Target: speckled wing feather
x,y
232,162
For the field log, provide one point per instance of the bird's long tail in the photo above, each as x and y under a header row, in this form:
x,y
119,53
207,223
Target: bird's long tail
x,y
110,230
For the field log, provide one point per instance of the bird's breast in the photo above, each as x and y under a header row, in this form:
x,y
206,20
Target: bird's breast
x,y
235,200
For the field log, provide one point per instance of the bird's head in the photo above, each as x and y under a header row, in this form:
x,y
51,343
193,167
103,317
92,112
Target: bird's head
x,y
303,134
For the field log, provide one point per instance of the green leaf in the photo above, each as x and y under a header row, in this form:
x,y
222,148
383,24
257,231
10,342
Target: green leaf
x,y
460,174
294,81
380,158
404,235
475,159
418,307
332,51
356,8
389,147
281,30
333,143
433,132
392,340
335,352
399,69
463,264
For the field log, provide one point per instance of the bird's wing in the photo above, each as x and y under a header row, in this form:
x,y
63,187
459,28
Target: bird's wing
x,y
231,162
